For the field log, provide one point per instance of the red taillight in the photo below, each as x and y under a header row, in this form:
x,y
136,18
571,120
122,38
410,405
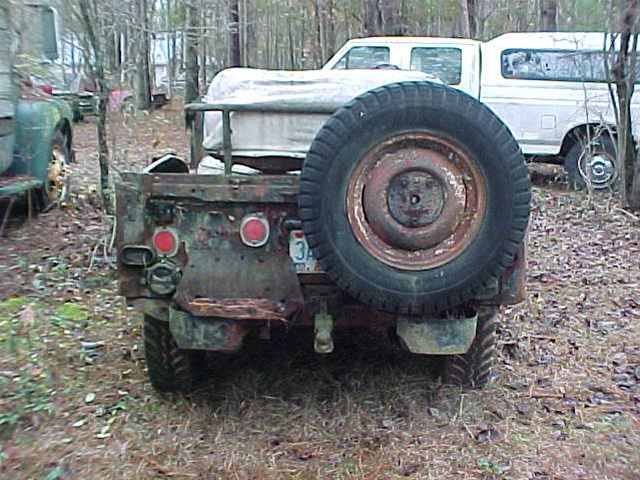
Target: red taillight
x,y
46,88
254,231
165,241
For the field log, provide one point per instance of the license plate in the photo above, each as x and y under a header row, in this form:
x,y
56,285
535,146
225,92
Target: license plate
x,y
301,254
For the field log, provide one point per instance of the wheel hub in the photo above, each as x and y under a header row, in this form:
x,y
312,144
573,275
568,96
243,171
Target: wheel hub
x,y
415,198
602,170
415,201
57,174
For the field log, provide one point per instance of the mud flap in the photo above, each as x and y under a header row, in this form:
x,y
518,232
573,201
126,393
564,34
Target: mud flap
x,y
205,333
437,336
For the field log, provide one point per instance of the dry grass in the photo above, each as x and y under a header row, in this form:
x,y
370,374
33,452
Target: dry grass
x,y
565,403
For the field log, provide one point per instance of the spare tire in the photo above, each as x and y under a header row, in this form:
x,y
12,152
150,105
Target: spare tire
x,y
414,197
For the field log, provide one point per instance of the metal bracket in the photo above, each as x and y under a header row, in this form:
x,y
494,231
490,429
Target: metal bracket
x,y
323,328
437,336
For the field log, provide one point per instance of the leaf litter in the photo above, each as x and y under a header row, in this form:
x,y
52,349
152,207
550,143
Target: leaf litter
x,y
75,401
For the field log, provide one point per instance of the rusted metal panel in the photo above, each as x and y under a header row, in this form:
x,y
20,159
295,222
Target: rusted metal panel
x,y
243,308
416,200
217,188
202,333
437,336
206,214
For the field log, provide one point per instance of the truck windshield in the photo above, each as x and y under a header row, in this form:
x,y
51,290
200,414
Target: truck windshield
x,y
443,62
363,58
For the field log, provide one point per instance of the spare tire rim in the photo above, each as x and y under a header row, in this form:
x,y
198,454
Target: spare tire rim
x,y
416,201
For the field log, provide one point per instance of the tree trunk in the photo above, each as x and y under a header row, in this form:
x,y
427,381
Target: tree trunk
x,y
548,15
473,18
234,34
387,17
143,81
192,87
203,45
465,28
468,18
96,69
170,50
624,72
371,18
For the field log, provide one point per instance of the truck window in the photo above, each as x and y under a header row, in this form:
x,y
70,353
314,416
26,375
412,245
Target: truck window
x,y
444,63
363,58
559,65
49,38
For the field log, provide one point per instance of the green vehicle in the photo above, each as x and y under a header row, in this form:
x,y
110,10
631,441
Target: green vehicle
x,y
35,128
407,214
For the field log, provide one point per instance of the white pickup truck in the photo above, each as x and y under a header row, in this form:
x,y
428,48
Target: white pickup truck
x,y
549,88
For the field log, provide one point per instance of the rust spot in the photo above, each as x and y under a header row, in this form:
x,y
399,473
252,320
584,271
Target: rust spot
x,y
416,201
241,309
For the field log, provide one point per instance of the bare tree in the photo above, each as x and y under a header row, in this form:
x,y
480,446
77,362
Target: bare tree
x,y
143,80
192,90
624,73
94,60
370,17
465,24
235,59
548,15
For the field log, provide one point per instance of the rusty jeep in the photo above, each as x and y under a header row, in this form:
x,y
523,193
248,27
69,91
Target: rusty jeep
x,y
408,213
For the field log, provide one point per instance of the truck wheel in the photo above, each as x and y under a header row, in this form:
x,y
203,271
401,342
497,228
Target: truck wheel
x,y
600,166
414,197
56,188
171,369
474,368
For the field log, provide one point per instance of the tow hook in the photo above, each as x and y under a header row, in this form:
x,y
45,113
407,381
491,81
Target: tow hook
x,y
323,328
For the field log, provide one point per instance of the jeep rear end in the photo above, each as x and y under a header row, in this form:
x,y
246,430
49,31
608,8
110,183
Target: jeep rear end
x,y
213,259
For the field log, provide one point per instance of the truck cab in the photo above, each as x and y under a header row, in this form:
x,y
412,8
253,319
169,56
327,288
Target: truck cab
x,y
35,128
549,88
455,61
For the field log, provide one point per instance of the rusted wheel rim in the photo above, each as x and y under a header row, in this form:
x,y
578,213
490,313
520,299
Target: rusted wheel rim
x,y
57,174
415,201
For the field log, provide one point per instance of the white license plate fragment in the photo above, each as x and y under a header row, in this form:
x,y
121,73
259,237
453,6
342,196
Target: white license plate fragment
x,y
301,254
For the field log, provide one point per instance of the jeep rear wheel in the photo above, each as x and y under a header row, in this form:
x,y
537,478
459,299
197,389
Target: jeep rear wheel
x,y
171,369
414,198
474,368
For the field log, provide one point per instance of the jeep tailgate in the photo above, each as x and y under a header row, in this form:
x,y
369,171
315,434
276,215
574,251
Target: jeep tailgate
x,y
217,274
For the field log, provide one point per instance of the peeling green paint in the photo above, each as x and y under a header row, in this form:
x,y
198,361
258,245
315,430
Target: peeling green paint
x,y
205,333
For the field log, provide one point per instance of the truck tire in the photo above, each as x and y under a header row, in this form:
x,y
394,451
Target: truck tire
x,y
601,164
171,369
57,185
474,368
414,197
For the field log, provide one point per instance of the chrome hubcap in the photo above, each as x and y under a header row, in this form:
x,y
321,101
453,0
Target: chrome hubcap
x,y
599,170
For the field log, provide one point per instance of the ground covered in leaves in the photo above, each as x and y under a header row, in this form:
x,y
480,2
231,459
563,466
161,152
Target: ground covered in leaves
x,y
75,402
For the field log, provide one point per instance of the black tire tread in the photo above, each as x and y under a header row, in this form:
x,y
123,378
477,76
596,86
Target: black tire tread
x,y
171,369
474,369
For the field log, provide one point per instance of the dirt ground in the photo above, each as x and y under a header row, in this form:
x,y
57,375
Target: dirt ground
x,y
75,402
